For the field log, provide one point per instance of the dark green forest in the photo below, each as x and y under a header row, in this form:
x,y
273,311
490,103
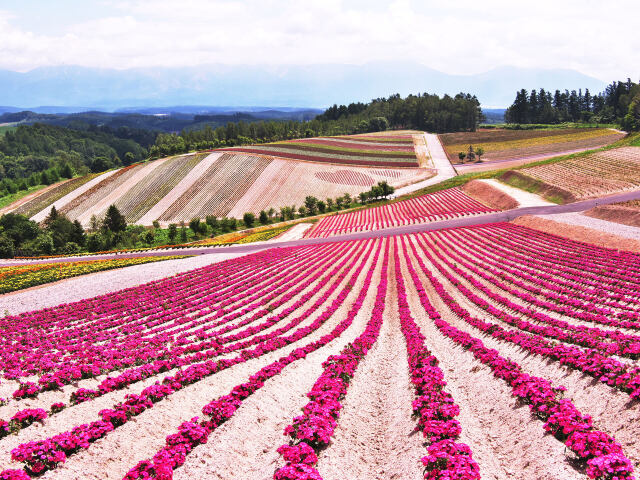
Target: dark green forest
x,y
39,154
419,112
619,104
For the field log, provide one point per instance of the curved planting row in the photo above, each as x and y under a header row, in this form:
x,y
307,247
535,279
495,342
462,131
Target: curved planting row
x,y
442,205
153,188
218,189
594,175
347,177
355,144
347,158
167,374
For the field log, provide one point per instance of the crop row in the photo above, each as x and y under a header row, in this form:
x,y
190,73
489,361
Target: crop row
x,y
596,174
471,286
426,208
152,188
46,198
371,160
17,278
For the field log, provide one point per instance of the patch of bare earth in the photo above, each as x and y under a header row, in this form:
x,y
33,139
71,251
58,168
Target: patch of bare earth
x,y
578,233
627,213
375,437
489,195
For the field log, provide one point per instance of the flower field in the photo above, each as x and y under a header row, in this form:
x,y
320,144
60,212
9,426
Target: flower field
x,y
19,277
509,353
230,182
503,145
442,205
365,150
597,174
242,238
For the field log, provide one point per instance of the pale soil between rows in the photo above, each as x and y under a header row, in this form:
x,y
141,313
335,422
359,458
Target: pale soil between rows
x,y
42,214
286,182
375,437
245,446
578,233
99,208
513,298
294,233
478,312
75,289
611,409
45,399
183,185
139,439
506,441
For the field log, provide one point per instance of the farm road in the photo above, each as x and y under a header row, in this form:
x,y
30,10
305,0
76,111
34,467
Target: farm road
x,y
505,216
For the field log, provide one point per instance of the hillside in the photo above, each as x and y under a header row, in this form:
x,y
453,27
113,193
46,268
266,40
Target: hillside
x,y
505,147
234,181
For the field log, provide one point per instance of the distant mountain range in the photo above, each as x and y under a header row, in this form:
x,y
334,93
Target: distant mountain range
x,y
70,89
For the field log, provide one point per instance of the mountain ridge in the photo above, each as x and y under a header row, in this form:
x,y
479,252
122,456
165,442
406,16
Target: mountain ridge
x,y
301,86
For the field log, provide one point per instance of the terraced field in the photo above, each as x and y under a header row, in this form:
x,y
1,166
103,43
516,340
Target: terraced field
x,y
595,175
365,150
511,353
442,205
505,145
230,183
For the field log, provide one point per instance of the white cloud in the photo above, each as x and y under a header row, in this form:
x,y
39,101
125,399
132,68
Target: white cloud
x,y
464,36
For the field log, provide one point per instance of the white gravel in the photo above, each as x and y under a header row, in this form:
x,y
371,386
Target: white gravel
x,y
524,198
87,286
581,220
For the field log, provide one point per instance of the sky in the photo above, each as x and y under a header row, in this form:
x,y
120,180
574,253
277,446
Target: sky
x,y
457,37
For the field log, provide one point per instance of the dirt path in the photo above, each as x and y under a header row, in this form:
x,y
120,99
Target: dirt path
x,y
524,198
440,162
376,416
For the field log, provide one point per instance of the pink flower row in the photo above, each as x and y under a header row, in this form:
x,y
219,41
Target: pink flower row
x,y
608,370
312,431
434,407
601,453
47,454
195,432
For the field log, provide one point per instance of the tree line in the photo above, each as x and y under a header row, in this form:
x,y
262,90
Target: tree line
x,y
619,103
421,112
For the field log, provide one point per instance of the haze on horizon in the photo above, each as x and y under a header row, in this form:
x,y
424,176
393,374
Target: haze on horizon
x,y
461,37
